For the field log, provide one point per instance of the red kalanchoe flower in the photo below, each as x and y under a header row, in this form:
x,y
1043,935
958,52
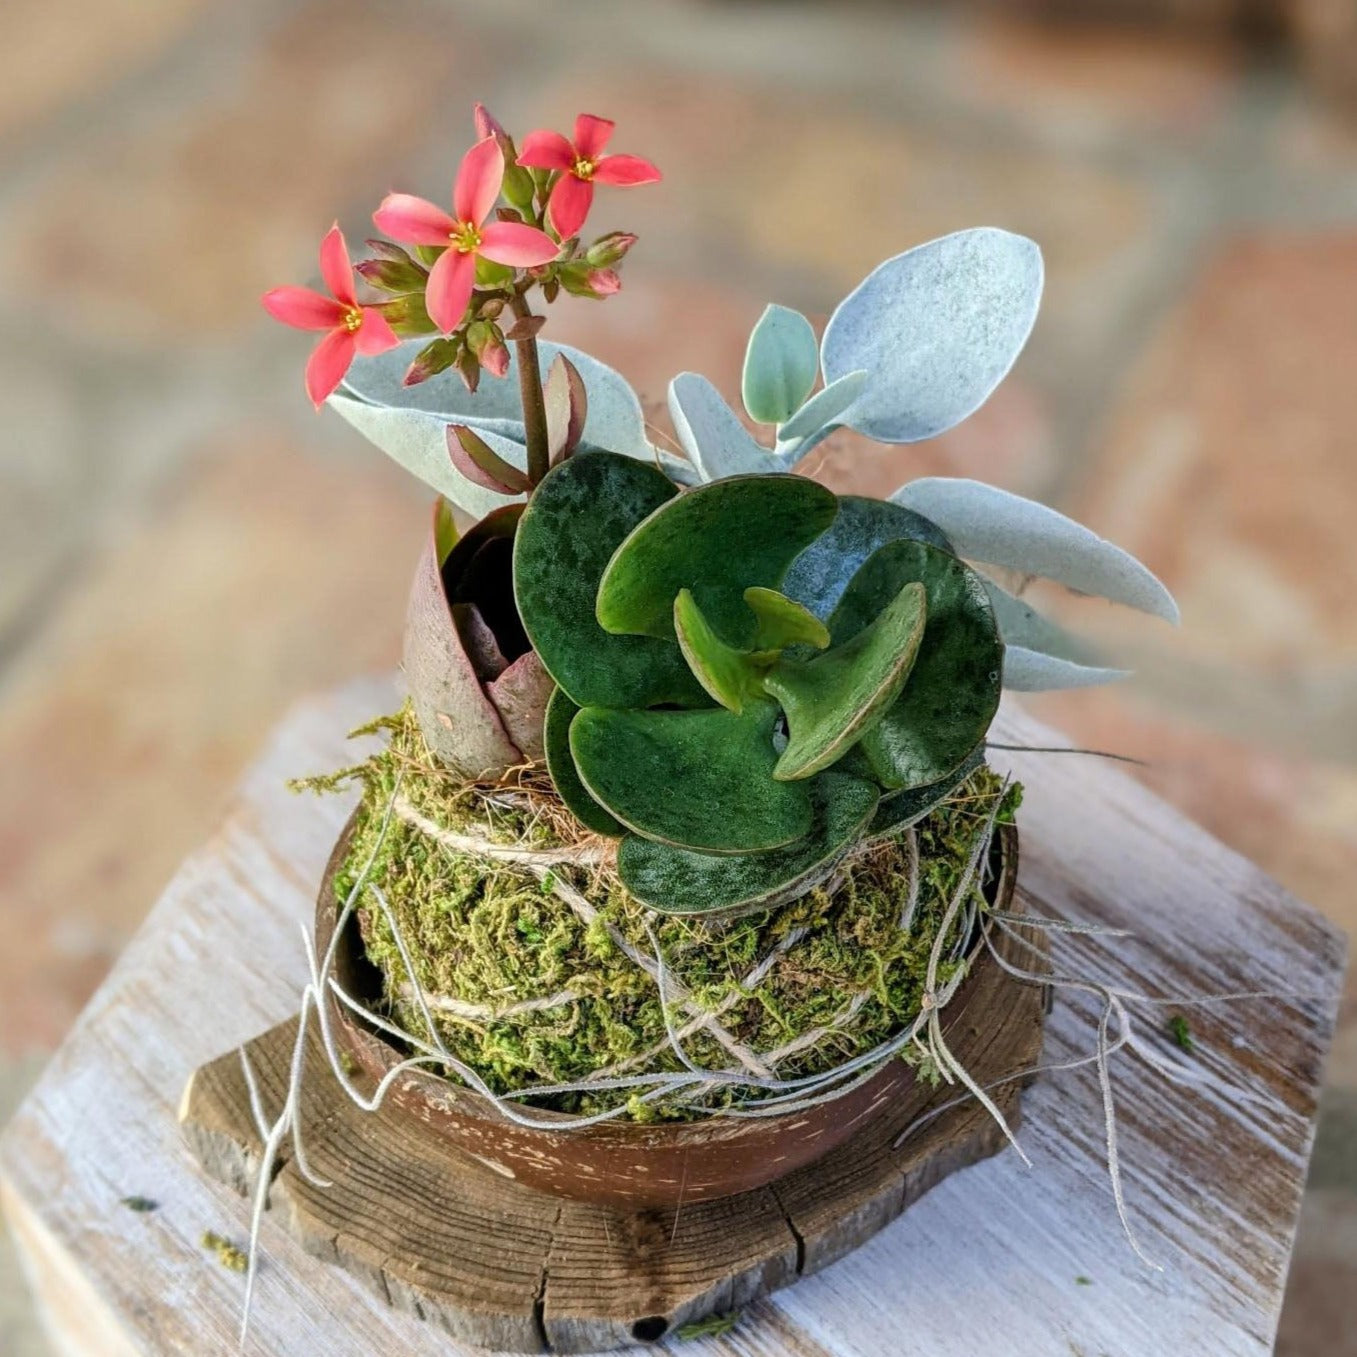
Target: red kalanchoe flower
x,y
466,233
353,328
582,165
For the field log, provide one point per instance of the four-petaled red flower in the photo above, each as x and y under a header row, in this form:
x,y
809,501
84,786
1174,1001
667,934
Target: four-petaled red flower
x,y
465,233
353,328
582,164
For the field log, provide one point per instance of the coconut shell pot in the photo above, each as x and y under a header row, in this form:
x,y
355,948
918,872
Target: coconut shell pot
x,y
625,1164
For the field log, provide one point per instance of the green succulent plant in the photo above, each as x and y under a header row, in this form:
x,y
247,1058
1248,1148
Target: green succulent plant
x,y
752,676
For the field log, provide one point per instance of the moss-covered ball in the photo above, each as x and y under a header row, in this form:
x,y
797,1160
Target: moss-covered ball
x,y
541,969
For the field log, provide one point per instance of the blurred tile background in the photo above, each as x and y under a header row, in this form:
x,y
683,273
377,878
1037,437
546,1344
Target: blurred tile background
x,y
185,547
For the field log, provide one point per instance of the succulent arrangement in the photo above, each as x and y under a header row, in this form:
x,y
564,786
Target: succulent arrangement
x,y
688,814
733,674
738,743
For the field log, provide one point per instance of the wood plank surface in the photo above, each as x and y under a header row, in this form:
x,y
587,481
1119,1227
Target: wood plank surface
x,y
995,1259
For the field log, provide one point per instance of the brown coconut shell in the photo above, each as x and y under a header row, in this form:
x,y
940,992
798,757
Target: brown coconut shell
x,y
622,1163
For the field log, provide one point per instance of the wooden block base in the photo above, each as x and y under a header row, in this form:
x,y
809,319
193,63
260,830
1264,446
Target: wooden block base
x,y
987,1264
504,1267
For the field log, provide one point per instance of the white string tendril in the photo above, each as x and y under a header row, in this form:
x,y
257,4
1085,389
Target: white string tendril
x,y
1114,1004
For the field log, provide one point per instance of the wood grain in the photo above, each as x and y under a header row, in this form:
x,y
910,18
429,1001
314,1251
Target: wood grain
x,y
986,1262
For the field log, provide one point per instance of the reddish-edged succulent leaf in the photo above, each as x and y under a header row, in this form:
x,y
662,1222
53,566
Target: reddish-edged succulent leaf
x,y
525,327
481,464
455,713
567,405
479,641
520,695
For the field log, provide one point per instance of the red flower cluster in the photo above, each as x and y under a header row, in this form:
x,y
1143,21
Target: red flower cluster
x,y
550,185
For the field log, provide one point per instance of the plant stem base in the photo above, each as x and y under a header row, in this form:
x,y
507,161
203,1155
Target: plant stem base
x,y
505,1267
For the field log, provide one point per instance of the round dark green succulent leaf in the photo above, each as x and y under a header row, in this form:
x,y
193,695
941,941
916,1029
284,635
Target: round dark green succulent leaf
x,y
952,693
717,540
697,779
577,517
561,711
832,700
820,574
901,809
679,881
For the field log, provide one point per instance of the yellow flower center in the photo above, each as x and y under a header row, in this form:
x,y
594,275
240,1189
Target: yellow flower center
x,y
465,237
584,169
353,318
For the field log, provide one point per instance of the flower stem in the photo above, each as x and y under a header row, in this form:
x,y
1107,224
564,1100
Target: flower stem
x,y
530,389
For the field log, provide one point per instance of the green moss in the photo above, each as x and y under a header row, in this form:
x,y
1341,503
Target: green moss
x,y
711,1327
491,936
228,1255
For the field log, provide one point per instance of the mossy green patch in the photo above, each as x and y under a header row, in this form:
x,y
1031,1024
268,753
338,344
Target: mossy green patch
x,y
231,1257
528,992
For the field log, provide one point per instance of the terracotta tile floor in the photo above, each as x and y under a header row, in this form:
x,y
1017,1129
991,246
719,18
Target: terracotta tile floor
x,y
184,547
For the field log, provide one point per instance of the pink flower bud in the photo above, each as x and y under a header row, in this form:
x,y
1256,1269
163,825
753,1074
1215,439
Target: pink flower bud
x,y
495,359
395,276
486,123
604,282
431,360
610,249
469,370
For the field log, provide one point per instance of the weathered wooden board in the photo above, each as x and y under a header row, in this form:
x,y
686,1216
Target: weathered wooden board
x,y
988,1261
